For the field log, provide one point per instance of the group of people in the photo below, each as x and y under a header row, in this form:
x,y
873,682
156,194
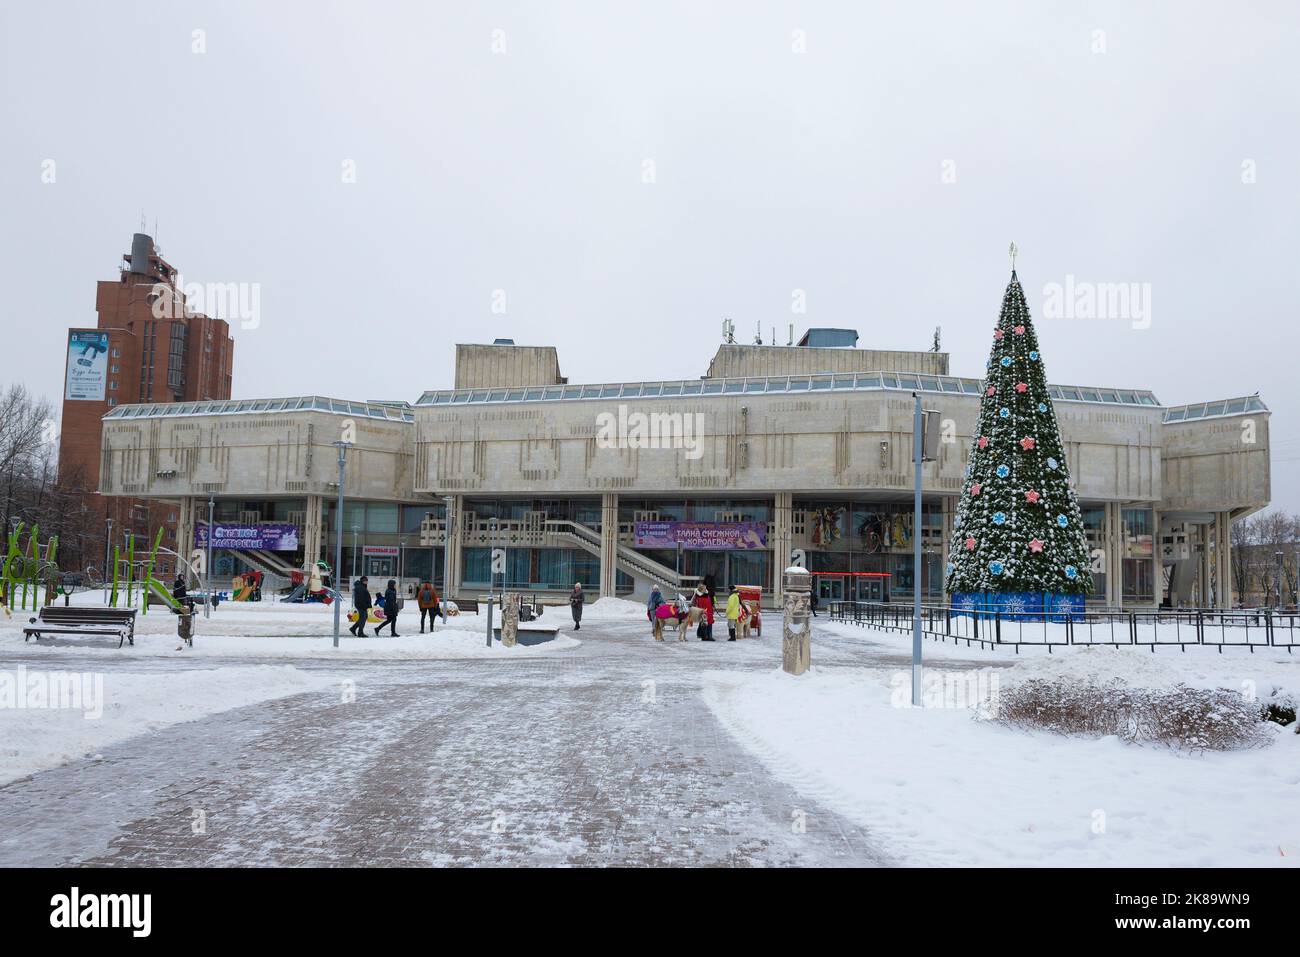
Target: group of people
x,y
426,599
736,612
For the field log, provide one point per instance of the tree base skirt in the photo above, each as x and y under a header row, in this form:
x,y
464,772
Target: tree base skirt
x,y
1019,605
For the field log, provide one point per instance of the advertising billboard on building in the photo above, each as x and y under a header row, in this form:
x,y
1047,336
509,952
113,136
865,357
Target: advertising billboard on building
x,y
87,375
700,535
248,538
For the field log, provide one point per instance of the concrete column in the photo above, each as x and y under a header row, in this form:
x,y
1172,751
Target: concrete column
x,y
1223,559
1114,539
949,503
1203,583
452,585
313,544
782,542
608,543
1157,565
185,529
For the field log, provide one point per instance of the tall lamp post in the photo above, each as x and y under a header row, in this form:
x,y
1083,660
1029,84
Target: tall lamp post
x,y
338,541
1278,556
355,529
108,558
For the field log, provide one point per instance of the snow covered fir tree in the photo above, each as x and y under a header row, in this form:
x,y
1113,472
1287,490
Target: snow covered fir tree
x,y
1018,543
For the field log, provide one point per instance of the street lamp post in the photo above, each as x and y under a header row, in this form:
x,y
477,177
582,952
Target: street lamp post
x,y
401,561
355,529
338,542
1278,556
108,557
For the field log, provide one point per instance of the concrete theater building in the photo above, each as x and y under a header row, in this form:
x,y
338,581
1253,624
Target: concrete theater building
x,y
806,448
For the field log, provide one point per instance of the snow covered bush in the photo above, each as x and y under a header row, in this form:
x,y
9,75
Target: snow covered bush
x,y
1280,707
1190,719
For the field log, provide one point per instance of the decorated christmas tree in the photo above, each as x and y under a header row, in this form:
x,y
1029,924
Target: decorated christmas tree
x,y
1018,542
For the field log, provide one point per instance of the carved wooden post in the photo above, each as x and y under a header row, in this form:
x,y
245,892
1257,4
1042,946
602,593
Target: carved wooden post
x,y
510,619
796,643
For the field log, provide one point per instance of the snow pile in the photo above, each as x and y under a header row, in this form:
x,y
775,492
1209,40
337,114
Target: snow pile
x,y
604,608
114,706
938,788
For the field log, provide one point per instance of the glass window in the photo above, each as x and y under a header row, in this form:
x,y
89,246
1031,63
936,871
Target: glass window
x,y
970,386
1236,405
712,388
532,395
442,398
609,391
821,382
843,382
1088,395
672,388
1147,399
1175,415
552,393
868,382
515,395
1109,397
650,388
632,391
479,395
1128,397
908,382
798,385
1214,408
733,385
755,386
573,392
690,388
591,392
930,385
951,385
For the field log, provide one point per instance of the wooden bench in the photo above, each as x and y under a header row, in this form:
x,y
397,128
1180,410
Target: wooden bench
x,y
74,620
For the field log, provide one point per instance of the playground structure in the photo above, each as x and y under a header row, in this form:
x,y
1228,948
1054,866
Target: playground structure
x,y
27,576
126,583
308,585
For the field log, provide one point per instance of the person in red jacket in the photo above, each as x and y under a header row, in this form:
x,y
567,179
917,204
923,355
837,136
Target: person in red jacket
x,y
705,604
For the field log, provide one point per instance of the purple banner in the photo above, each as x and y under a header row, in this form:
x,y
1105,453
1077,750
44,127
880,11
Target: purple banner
x,y
700,535
249,538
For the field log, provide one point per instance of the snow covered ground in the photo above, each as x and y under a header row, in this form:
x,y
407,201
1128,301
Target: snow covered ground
x,y
939,787
98,709
292,631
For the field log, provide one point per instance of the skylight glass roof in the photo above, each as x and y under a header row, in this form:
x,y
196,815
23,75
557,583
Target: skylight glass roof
x,y
838,382
369,410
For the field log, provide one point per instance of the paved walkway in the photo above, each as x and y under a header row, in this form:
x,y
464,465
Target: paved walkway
x,y
604,755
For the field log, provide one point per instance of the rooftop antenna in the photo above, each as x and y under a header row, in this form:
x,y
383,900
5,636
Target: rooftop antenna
x,y
758,334
728,331
791,342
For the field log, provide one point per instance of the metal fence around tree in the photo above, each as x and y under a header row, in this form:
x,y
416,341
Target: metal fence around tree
x,y
1174,628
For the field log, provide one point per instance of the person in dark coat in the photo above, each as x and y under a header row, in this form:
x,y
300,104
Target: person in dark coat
x,y
390,610
181,592
813,602
576,601
360,602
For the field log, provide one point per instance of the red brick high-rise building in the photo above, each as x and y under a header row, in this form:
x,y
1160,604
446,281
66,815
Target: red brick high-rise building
x,y
146,347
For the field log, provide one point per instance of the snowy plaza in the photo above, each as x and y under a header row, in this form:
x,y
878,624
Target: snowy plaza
x,y
263,745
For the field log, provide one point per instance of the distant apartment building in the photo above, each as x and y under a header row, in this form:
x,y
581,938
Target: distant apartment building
x,y
146,347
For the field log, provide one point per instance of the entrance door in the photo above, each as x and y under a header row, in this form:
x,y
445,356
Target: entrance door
x,y
830,589
380,567
870,589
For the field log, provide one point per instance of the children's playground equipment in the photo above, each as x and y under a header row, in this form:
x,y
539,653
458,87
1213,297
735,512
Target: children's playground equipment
x,y
308,585
29,577
130,575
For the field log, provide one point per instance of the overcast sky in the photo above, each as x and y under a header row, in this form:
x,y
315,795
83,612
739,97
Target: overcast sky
x,y
620,177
